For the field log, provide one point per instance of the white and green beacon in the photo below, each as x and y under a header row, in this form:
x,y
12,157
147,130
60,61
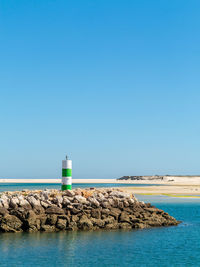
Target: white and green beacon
x,y
66,174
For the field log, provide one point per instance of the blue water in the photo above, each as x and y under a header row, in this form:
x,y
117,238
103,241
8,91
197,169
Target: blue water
x,y
33,186
168,246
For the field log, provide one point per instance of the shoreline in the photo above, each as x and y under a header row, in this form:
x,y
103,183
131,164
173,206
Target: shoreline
x,y
174,189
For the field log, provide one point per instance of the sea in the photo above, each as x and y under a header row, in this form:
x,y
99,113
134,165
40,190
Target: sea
x,y
166,246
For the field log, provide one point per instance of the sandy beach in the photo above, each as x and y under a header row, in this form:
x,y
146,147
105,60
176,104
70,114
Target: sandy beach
x,y
167,180
173,190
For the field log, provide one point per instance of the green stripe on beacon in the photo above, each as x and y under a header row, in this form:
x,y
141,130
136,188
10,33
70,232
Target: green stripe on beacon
x,y
66,174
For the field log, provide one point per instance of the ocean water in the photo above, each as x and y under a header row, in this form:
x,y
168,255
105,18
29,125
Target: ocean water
x,y
167,246
33,186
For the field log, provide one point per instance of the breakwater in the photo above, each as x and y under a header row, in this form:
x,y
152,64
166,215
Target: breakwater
x,y
85,209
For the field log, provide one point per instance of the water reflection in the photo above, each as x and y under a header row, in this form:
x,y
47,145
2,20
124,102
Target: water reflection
x,y
169,246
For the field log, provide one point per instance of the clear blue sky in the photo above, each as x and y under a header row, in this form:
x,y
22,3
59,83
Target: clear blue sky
x,y
115,84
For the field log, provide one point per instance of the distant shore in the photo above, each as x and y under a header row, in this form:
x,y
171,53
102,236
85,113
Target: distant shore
x,y
172,180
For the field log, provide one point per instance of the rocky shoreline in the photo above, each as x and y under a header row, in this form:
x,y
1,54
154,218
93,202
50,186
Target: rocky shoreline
x,y
79,209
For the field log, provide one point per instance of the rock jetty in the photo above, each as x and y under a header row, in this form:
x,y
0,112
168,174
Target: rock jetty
x,y
84,209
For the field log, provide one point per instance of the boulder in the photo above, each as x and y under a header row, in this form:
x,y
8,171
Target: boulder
x,y
54,210
33,201
4,200
30,221
93,202
3,211
97,222
10,223
115,212
81,199
69,193
51,219
61,224
44,204
124,217
74,218
84,223
23,202
66,201
72,226
96,213
14,201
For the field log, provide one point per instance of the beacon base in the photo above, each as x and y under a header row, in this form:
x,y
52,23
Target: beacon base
x,y
66,187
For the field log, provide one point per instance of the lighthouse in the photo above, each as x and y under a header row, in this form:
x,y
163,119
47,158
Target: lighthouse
x,y
66,174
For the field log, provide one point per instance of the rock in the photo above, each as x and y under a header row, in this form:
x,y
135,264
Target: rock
x,y
121,205
61,224
93,202
134,220
72,226
20,213
23,202
140,225
44,195
41,219
105,205
78,191
119,194
38,210
151,210
97,222
48,228
74,210
105,212
96,213
58,200
54,210
75,218
115,202
113,225
4,200
109,220
126,204
44,204
33,201
81,199
115,213
10,223
31,221
125,225
3,211
111,202
69,193
124,217
51,219
85,223
66,201
14,201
